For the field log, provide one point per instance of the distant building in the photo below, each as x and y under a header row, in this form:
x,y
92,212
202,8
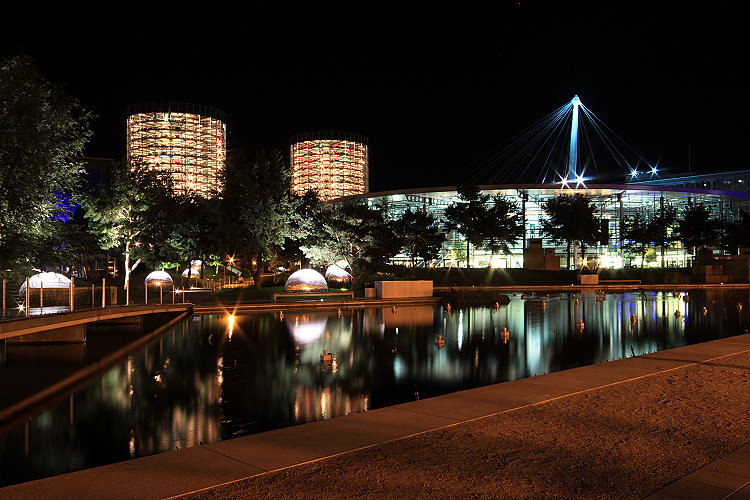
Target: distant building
x,y
614,203
332,164
97,173
736,180
185,141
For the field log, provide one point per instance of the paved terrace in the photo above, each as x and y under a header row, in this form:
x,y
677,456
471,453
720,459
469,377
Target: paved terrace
x,y
673,423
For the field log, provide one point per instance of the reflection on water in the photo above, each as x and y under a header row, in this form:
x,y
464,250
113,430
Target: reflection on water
x,y
216,377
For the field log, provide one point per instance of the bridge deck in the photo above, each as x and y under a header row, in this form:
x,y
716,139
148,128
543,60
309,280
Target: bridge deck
x,y
33,324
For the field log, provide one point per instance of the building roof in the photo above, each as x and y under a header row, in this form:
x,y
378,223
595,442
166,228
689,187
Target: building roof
x,y
591,190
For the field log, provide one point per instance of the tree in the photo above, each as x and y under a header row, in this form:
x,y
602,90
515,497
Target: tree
x,y
353,233
639,232
696,229
256,212
571,218
192,233
42,131
504,225
661,226
735,234
468,216
131,216
420,235
635,235
490,223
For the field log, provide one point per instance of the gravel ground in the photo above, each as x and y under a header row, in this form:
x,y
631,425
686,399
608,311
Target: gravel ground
x,y
621,441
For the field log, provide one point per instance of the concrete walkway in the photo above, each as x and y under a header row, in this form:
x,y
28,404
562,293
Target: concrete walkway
x,y
727,478
223,468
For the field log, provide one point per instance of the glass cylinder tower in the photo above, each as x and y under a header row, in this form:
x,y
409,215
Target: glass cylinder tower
x,y
185,141
332,164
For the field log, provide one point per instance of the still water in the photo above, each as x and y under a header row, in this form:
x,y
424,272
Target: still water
x,y
213,378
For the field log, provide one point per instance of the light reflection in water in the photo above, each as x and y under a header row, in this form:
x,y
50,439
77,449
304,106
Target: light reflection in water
x,y
194,385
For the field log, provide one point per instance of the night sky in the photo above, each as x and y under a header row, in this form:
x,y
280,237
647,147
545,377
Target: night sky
x,y
431,88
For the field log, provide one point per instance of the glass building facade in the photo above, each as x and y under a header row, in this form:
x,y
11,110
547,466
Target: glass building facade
x,y
614,204
332,164
185,141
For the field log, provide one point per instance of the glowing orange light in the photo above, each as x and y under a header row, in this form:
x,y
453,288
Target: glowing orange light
x,y
230,323
331,164
186,142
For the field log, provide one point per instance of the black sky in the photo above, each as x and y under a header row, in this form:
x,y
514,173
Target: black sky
x,y
432,88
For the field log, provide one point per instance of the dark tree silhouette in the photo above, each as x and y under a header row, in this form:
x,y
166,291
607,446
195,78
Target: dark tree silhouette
x,y
696,229
571,218
42,131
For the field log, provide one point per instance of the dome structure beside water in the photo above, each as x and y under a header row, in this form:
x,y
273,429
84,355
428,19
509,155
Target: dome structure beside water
x,y
46,280
158,278
338,276
306,281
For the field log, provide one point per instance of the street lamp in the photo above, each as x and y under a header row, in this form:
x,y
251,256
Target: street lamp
x,y
230,260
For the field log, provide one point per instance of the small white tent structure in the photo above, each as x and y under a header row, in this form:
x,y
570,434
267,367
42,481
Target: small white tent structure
x,y
46,280
306,281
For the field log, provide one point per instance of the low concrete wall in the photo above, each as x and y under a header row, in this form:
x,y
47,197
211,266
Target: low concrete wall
x,y
588,279
392,289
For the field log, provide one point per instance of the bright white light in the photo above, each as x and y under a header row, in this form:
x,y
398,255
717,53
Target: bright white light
x,y
654,170
580,180
634,172
306,328
564,181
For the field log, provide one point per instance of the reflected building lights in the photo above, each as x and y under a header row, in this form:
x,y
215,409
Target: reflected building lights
x,y
279,380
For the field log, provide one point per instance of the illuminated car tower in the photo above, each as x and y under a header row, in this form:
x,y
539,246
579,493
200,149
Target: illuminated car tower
x,y
185,141
332,164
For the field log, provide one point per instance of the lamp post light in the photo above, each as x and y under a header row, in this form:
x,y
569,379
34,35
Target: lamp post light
x,y
28,296
230,260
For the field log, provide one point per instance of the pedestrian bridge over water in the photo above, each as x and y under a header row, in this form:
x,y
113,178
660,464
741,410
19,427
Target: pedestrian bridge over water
x,y
58,327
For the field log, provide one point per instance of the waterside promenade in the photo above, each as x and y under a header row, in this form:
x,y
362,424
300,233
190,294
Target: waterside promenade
x,y
675,419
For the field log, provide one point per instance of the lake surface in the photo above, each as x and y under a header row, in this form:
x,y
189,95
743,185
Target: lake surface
x,y
213,378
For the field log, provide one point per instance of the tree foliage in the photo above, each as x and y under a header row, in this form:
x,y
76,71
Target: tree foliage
x,y
504,225
42,131
491,223
734,235
132,215
256,213
571,218
468,216
419,234
640,232
696,229
192,233
353,233
635,235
